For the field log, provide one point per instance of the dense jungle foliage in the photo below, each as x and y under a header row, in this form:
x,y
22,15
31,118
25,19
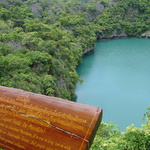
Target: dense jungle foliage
x,y
42,41
109,137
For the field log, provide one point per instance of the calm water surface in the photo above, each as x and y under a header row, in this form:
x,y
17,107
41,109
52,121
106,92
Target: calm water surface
x,y
117,78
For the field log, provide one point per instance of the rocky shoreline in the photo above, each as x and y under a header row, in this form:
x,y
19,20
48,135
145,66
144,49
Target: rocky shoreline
x,y
88,51
114,35
146,35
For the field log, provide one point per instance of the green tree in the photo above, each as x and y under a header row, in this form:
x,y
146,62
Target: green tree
x,y
109,138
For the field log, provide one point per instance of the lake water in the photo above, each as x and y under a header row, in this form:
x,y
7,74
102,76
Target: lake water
x,y
117,78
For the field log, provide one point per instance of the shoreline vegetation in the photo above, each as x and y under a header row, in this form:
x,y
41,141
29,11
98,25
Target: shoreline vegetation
x,y
127,37
43,41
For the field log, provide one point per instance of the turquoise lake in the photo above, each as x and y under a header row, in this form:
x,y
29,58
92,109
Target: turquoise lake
x,y
116,77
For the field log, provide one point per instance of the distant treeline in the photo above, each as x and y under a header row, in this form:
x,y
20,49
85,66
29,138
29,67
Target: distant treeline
x,y
42,41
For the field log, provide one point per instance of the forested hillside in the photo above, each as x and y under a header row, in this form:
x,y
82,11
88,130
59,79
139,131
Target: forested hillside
x,y
42,41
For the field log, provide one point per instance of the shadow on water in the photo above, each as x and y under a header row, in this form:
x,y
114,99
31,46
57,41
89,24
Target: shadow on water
x,y
74,99
84,68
